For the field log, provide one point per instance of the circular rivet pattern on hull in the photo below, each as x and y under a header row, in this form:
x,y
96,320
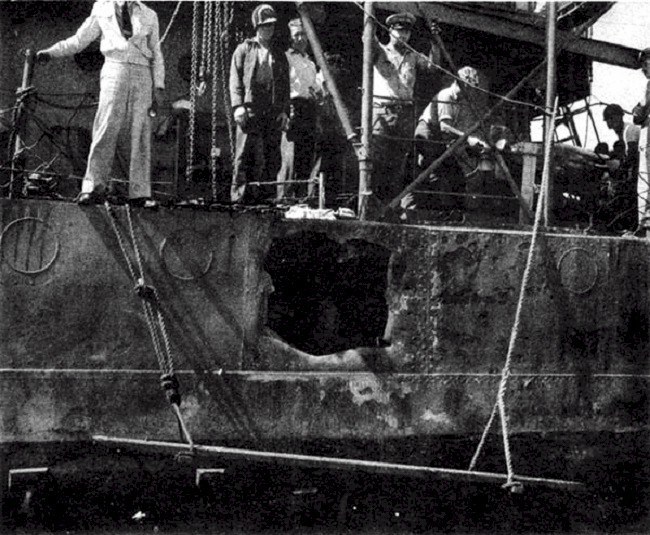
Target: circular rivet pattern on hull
x,y
578,270
29,245
186,254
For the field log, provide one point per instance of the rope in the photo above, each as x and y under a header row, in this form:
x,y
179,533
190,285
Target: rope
x,y
505,374
154,319
171,21
58,106
450,73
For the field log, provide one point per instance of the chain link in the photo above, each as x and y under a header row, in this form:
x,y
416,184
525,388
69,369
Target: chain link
x,y
225,14
193,84
215,71
204,42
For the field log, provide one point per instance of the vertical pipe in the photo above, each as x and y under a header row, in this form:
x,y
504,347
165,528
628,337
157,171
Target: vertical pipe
x,y
317,49
17,163
551,65
365,154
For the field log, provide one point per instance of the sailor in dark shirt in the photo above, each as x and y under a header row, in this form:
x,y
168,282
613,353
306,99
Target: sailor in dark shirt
x,y
259,94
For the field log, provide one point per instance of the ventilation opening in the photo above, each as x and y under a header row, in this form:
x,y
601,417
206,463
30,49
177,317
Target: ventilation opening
x,y
328,296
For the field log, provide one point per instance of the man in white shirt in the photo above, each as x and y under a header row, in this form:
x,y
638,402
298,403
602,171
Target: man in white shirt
x,y
299,141
129,39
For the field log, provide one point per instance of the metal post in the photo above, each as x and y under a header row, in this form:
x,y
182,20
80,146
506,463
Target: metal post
x,y
365,154
551,22
17,161
316,48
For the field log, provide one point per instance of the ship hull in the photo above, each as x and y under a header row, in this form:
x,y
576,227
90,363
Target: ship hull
x,y
316,336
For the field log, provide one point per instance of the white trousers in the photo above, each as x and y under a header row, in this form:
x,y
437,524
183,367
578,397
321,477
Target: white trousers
x,y
124,102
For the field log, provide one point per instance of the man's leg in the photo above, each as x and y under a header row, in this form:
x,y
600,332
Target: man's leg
x,y
138,115
642,180
304,160
270,146
241,165
287,148
109,118
381,129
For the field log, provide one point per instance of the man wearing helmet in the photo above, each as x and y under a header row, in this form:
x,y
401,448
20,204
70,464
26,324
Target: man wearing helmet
x,y
259,94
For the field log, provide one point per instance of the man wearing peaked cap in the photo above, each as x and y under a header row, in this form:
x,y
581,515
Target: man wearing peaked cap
x,y
395,66
401,20
259,94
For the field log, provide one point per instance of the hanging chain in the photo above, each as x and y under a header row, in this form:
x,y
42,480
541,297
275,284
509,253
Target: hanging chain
x,y
204,42
193,83
224,22
214,66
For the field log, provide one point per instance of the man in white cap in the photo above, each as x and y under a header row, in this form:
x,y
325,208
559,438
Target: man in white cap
x,y
395,66
129,39
299,141
259,94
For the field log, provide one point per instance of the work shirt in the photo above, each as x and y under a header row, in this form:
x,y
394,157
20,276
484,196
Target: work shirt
x,y
430,114
303,76
394,72
455,109
631,134
264,71
143,48
244,87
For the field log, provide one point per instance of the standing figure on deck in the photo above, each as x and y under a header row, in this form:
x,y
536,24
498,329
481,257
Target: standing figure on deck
x,y
259,94
641,117
623,171
394,73
299,141
133,66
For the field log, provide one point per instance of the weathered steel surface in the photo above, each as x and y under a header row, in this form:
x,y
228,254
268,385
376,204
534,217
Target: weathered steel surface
x,y
76,358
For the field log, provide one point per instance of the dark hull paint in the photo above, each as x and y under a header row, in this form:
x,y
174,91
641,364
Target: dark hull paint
x,y
76,359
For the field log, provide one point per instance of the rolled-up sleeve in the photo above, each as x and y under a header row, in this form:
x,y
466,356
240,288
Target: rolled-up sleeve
x,y
158,62
86,34
445,107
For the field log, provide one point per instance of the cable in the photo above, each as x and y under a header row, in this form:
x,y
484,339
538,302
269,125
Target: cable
x,y
171,21
65,106
454,75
